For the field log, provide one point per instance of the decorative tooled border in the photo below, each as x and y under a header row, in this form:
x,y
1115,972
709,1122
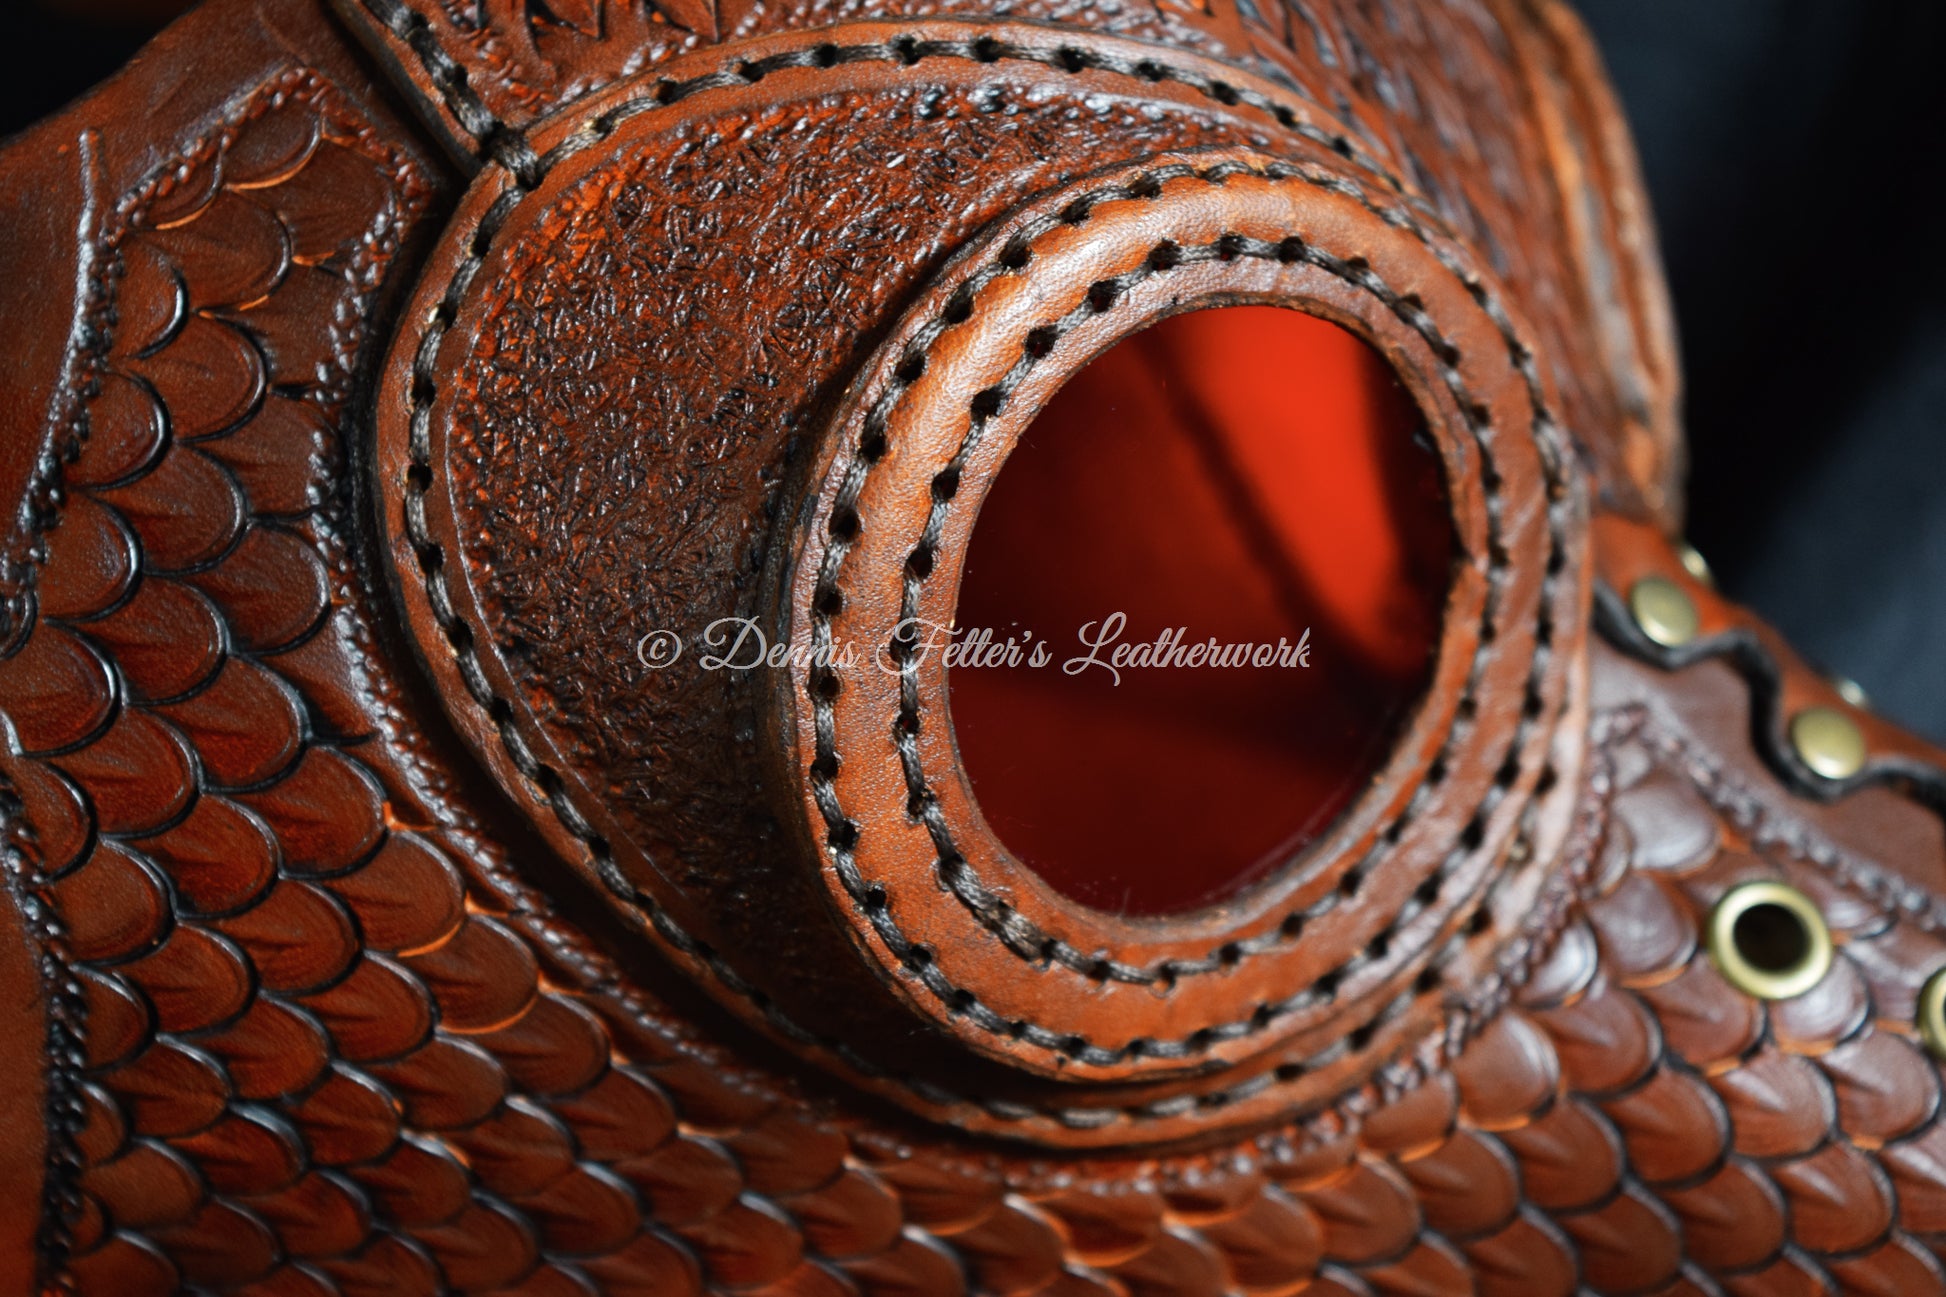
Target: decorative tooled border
x,y
1730,797
509,147
1020,935
1743,650
526,170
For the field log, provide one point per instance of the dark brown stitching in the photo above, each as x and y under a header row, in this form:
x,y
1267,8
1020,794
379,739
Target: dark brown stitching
x,y
421,395
510,148
1729,797
1025,939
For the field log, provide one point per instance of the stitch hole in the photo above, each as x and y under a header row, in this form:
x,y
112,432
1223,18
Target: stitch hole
x,y
960,309
907,50
1165,256
987,403
987,50
1074,60
1041,341
825,55
830,602
1016,254
844,524
1223,92
1102,294
913,367
946,485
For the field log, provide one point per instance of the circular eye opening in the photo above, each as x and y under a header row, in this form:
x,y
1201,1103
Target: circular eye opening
x,y
1210,582
1769,940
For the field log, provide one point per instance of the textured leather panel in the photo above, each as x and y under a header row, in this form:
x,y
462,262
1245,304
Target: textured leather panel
x,y
1478,108
316,1031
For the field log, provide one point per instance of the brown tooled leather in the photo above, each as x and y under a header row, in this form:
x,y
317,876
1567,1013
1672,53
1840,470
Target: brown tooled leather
x,y
373,926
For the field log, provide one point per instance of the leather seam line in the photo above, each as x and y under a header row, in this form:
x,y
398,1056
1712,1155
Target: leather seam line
x,y
509,146
497,141
1916,780
1730,797
1018,934
421,396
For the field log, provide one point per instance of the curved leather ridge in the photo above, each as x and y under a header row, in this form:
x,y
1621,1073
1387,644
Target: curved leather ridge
x,y
319,984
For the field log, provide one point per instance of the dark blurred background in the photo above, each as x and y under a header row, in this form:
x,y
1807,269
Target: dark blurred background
x,y
1796,156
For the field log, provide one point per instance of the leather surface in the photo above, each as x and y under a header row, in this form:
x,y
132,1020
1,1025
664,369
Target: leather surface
x,y
334,992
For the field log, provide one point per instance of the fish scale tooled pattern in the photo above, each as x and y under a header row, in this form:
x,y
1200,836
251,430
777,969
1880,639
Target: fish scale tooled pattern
x,y
326,1053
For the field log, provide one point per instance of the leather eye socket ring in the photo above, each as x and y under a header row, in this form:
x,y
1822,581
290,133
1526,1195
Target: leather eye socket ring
x,y
551,488
968,935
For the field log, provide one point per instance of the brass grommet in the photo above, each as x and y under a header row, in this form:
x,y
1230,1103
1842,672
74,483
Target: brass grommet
x,y
1663,611
1930,1015
1828,741
1769,940
1694,563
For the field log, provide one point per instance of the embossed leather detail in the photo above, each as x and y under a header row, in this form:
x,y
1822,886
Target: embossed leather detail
x,y
325,1016
657,781
1491,114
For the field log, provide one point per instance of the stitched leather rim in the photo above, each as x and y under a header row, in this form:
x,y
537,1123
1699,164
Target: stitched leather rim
x,y
1328,1015
927,887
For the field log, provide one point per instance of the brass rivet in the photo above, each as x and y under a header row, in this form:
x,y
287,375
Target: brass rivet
x,y
1930,1016
1663,611
1828,741
1769,940
1851,691
1694,563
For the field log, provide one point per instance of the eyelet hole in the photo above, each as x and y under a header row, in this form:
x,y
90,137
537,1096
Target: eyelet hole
x,y
1769,940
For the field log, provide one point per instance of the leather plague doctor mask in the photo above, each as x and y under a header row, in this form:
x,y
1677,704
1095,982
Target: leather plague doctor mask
x,y
499,494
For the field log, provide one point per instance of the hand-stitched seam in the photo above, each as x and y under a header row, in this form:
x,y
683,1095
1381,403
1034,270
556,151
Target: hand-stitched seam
x,y
510,148
1731,798
526,172
1020,936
